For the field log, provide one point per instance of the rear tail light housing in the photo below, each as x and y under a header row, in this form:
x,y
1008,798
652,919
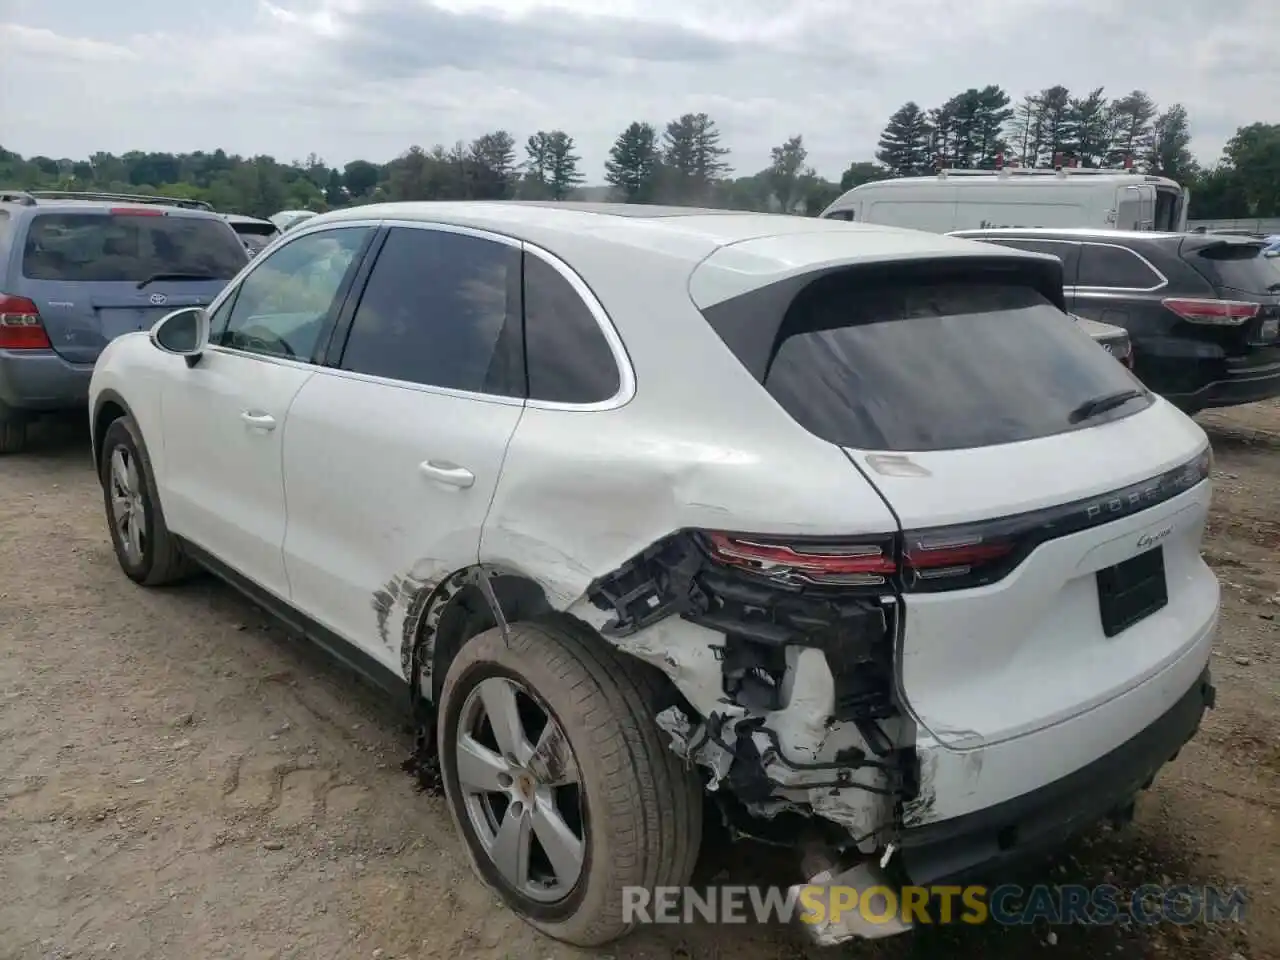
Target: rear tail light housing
x,y
936,559
1223,313
20,325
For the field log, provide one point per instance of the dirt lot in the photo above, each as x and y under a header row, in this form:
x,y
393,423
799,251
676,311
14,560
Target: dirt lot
x,y
180,780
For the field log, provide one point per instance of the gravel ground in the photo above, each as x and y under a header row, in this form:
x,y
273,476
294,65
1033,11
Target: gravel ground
x,y
178,779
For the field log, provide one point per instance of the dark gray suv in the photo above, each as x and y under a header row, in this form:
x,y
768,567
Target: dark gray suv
x,y
77,270
1202,309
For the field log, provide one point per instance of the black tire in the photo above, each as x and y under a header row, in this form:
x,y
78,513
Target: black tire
x,y
642,806
161,560
13,431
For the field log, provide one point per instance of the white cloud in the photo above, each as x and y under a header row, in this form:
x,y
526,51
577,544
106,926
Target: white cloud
x,y
367,78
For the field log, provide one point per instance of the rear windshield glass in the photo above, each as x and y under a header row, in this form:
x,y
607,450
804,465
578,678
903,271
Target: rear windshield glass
x,y
1240,266
96,246
255,229
937,366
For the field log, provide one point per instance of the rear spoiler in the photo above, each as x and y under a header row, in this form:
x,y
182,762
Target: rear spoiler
x,y
1199,242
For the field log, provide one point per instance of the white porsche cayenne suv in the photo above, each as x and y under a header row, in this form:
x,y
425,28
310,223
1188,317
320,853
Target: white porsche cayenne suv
x,y
849,529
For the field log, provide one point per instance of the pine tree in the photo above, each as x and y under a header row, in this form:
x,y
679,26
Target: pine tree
x,y
1130,119
1169,155
492,162
905,143
693,155
562,167
632,166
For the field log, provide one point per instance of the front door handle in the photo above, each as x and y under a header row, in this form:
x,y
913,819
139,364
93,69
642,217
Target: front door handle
x,y
259,421
449,473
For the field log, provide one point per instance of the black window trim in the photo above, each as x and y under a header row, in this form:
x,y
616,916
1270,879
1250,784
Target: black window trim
x,y
1089,288
318,353
337,345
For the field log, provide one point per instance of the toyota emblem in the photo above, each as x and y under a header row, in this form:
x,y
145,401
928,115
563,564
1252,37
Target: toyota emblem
x,y
159,299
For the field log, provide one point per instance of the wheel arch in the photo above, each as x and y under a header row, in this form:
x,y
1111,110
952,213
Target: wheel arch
x,y
108,407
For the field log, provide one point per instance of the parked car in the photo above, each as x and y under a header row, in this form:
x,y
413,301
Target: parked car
x,y
1114,340
77,270
253,232
1202,309
843,525
288,219
986,199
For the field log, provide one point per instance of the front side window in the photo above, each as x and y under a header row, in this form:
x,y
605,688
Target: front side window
x,y
441,309
283,305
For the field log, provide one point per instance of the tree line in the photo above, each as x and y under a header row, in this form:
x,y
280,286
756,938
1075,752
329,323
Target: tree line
x,y
686,162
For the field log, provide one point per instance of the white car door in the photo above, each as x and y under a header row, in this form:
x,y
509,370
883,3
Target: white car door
x,y
223,486
393,451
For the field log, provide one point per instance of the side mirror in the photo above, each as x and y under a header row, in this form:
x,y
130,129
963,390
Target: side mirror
x,y
183,333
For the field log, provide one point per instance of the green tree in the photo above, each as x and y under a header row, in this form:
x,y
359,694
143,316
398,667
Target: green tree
x,y
861,172
1254,158
563,174
1088,132
788,174
633,161
360,177
1169,155
492,158
905,145
692,154
1130,118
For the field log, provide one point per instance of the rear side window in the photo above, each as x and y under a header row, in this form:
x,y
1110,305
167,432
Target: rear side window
x,y
568,357
129,247
441,309
936,367
1240,266
1114,267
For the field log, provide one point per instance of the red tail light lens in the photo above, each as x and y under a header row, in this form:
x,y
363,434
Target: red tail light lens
x,y
20,326
1229,313
850,563
940,558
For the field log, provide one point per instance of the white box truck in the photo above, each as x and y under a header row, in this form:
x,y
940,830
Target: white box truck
x,y
1014,197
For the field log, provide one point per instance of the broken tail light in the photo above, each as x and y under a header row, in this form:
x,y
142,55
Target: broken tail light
x,y
20,325
855,562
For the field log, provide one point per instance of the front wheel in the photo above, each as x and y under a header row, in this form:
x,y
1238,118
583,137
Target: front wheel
x,y
559,780
148,553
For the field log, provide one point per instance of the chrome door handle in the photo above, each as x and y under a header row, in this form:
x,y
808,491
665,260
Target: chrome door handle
x,y
261,421
449,473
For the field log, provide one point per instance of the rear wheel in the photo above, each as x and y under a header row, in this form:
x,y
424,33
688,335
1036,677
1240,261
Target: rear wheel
x,y
559,780
148,553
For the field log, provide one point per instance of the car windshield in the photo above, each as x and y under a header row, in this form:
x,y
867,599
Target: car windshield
x,y
129,247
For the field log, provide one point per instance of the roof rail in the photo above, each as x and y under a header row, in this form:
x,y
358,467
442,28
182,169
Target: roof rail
x,y
1036,172
124,197
17,196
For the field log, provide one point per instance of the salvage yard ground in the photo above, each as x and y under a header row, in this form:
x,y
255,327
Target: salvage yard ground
x,y
178,779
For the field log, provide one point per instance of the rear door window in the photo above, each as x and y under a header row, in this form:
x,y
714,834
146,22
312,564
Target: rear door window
x,y
936,366
1239,266
1115,267
129,247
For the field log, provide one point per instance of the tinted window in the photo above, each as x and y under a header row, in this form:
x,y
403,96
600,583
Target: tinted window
x,y
1114,267
1068,253
284,304
1240,266
935,367
437,311
99,246
569,360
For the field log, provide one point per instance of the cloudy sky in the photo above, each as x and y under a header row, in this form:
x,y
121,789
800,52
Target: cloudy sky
x,y
368,78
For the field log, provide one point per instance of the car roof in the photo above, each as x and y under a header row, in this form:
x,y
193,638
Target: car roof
x,y
69,205
573,230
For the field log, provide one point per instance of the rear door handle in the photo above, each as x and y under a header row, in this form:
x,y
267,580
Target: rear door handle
x,y
449,473
260,421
